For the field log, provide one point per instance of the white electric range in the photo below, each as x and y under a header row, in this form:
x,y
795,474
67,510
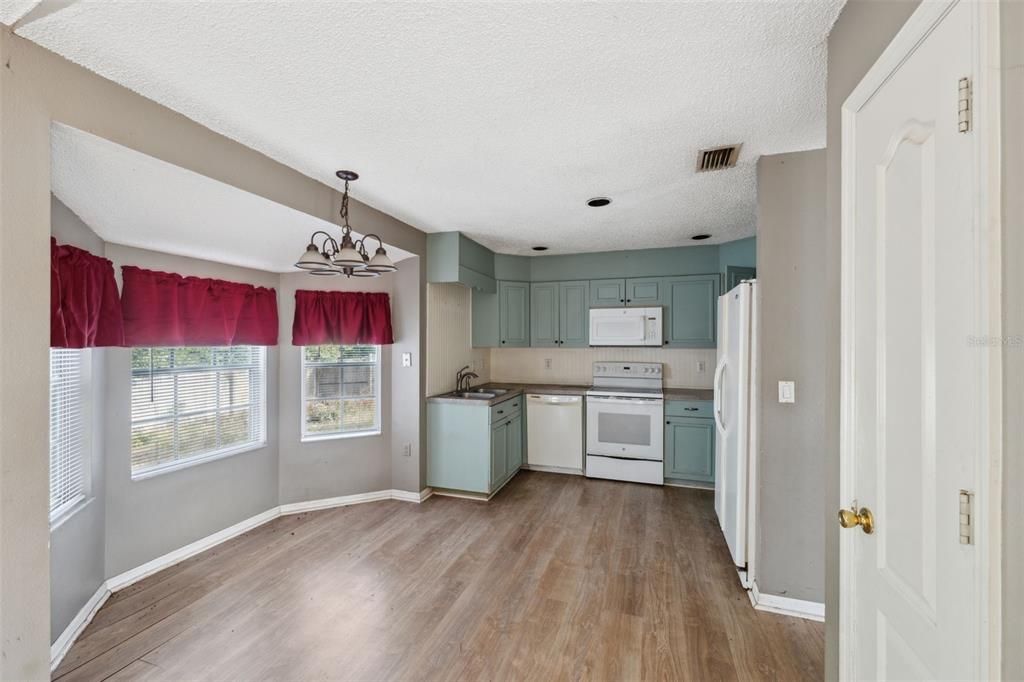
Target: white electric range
x,y
625,422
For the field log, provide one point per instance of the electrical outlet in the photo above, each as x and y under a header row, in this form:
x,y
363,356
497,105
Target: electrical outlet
x,y
547,363
406,359
700,367
407,450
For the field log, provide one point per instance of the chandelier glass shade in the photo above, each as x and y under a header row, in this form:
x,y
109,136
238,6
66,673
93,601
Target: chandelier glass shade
x,y
350,257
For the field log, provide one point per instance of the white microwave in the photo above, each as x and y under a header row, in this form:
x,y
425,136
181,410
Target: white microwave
x,y
625,327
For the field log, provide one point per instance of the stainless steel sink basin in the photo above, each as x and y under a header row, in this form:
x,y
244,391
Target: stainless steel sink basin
x,y
495,391
476,395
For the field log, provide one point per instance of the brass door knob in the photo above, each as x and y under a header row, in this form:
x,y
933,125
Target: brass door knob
x,y
850,518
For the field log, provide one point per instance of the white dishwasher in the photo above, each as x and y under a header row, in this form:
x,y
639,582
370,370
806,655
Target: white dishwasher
x,y
554,425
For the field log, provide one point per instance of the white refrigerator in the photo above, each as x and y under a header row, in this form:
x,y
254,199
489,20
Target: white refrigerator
x,y
735,408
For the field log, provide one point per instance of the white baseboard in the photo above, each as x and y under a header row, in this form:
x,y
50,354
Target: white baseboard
x,y
123,580
786,606
59,648
689,484
553,470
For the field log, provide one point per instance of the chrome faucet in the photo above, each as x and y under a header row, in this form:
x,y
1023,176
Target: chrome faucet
x,y
462,379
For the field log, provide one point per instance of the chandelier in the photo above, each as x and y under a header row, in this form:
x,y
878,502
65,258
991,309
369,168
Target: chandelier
x,y
349,258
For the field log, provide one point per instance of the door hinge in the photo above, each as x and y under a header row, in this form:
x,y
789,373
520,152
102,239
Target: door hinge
x,y
964,105
966,518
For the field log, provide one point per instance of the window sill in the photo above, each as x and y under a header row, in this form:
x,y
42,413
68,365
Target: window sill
x,y
339,436
205,459
69,512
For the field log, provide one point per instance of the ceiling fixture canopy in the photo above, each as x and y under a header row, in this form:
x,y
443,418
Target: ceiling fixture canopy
x,y
350,257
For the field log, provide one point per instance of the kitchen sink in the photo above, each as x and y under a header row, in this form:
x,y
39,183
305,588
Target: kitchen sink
x,y
495,391
476,395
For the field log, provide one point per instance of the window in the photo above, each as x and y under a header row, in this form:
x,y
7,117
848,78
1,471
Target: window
x,y
69,430
194,404
340,391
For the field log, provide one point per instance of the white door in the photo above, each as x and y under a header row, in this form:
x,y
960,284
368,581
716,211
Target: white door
x,y
915,392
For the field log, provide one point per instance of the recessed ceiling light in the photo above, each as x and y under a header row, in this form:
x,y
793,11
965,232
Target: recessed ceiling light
x,y
599,201
700,237
540,248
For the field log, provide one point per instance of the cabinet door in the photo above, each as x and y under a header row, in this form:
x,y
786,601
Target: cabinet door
x,y
485,319
514,453
499,452
607,293
544,314
689,319
645,292
514,314
690,449
573,315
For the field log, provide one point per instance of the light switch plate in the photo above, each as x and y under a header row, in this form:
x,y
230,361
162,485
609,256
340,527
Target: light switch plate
x,y
547,363
406,359
700,367
787,391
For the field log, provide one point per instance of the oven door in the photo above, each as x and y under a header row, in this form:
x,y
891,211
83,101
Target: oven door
x,y
626,427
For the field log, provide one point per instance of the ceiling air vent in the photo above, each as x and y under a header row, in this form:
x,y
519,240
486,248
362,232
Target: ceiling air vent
x,y
718,158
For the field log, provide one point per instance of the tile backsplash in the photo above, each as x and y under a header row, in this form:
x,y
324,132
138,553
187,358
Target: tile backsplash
x,y
575,365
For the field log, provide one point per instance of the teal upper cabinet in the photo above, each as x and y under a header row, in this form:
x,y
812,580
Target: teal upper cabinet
x,y
514,314
690,316
607,293
690,449
558,314
645,292
544,314
573,318
454,257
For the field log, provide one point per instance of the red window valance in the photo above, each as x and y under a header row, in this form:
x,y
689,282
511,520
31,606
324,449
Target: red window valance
x,y
342,317
84,308
166,309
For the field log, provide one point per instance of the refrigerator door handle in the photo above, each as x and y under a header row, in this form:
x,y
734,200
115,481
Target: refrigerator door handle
x,y
719,374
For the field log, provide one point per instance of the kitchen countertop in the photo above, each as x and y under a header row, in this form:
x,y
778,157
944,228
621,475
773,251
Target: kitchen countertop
x,y
689,394
556,389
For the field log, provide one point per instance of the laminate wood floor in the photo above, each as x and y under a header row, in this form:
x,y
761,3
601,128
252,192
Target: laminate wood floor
x,y
558,577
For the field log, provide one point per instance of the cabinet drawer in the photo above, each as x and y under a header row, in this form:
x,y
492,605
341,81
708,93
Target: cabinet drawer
x,y
507,409
689,408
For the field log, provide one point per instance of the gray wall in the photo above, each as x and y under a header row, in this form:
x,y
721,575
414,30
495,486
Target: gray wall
x,y
408,384
791,469
863,30
327,468
149,517
76,545
1012,28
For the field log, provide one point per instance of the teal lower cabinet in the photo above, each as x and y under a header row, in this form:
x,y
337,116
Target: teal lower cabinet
x,y
471,448
689,447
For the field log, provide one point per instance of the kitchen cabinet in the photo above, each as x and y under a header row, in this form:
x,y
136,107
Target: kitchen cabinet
x,y
514,314
558,314
471,448
454,257
691,309
544,314
645,292
690,449
607,293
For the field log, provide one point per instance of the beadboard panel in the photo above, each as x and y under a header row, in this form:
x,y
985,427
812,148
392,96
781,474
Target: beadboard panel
x,y
575,366
449,334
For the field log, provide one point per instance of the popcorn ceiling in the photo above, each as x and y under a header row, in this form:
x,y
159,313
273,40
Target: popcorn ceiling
x,y
496,119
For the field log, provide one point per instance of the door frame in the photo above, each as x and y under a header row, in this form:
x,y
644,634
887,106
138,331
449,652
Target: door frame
x,y
985,125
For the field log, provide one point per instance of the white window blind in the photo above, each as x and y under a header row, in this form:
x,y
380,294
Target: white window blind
x,y
69,430
340,390
197,403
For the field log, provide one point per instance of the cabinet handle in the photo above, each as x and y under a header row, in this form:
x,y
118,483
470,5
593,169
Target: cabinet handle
x,y
503,340
622,300
501,411
629,300
691,409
